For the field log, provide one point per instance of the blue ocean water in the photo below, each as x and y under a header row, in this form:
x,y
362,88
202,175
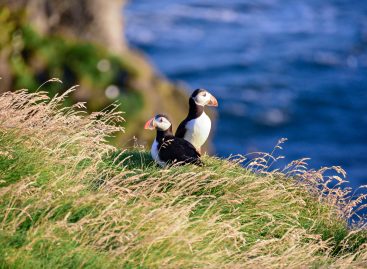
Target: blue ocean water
x,y
279,68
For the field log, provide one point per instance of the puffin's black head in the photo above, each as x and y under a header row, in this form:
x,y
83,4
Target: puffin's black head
x,y
160,122
202,97
196,92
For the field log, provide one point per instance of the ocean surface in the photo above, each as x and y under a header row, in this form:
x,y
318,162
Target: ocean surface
x,y
279,68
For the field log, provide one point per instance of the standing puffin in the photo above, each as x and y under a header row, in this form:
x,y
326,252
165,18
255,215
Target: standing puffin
x,y
168,149
195,128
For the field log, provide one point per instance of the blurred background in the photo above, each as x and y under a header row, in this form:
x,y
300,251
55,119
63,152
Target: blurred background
x,y
83,43
279,68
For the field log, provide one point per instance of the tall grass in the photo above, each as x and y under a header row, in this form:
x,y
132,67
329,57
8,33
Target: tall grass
x,y
68,199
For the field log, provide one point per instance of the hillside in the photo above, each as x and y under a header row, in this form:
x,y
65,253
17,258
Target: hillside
x,y
69,200
78,52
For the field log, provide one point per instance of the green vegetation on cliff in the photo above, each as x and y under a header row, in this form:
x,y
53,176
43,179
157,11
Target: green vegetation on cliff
x,y
28,59
69,200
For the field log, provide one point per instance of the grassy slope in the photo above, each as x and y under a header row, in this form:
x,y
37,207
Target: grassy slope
x,y
68,200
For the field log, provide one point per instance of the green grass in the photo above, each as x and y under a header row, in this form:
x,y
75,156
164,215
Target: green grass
x,y
68,200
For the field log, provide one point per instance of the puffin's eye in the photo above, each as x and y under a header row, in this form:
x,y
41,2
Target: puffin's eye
x,y
204,94
160,119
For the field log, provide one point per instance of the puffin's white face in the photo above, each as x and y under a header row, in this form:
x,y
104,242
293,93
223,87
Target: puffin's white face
x,y
162,123
159,122
204,98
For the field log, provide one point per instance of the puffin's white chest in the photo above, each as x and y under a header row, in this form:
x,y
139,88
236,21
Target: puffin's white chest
x,y
154,152
197,130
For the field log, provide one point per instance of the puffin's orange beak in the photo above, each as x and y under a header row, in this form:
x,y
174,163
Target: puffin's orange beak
x,y
213,101
149,124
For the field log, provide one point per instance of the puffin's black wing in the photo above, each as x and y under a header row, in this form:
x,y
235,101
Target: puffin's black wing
x,y
181,129
178,150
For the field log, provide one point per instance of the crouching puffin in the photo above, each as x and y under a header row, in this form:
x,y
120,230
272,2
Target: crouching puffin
x,y
168,149
195,128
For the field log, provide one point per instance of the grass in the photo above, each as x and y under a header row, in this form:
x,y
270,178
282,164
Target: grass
x,y
70,200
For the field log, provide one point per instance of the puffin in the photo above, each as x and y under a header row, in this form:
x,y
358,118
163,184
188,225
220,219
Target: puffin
x,y
195,128
168,149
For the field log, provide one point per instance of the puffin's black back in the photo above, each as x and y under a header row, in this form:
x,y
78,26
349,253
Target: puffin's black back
x,y
181,129
177,150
